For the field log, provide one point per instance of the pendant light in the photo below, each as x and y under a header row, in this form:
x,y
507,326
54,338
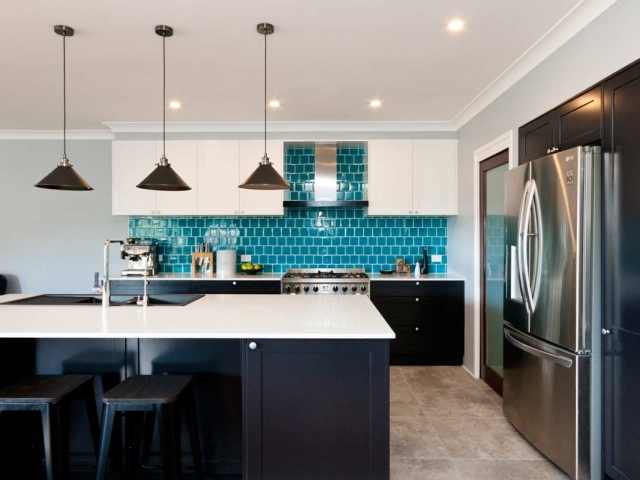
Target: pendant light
x,y
64,177
164,177
265,177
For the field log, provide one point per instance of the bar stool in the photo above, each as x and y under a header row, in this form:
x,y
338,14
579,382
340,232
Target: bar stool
x,y
50,395
161,396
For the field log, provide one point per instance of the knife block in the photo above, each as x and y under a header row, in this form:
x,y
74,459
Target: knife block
x,y
194,261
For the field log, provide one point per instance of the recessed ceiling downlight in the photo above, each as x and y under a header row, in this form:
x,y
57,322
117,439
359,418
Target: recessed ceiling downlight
x,y
375,103
175,104
274,103
455,25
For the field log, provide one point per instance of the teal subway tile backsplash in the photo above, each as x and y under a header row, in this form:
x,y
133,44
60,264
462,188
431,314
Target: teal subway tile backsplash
x,y
303,238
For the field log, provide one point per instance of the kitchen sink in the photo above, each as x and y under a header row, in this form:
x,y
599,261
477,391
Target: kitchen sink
x,y
175,300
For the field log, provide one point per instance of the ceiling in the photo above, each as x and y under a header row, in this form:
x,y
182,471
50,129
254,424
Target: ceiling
x,y
327,59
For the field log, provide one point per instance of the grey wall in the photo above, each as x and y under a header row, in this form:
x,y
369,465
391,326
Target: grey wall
x,y
50,240
609,43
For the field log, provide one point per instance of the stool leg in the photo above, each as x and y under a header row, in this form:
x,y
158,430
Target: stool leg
x,y
92,413
108,417
149,424
169,431
35,457
132,427
194,434
51,430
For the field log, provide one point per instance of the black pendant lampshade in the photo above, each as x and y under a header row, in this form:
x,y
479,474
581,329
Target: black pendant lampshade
x,y
64,177
265,177
164,178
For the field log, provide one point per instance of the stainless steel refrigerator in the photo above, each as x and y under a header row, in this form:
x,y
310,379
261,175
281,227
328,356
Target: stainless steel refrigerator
x,y
551,308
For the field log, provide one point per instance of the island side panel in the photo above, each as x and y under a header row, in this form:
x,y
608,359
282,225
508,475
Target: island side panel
x,y
316,409
216,368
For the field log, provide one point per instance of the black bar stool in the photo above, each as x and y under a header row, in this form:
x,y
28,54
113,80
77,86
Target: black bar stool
x,y
51,395
162,396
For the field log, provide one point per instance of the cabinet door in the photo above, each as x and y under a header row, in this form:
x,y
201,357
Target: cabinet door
x,y
390,177
133,161
218,171
183,157
435,181
254,287
621,374
537,138
579,121
260,202
316,409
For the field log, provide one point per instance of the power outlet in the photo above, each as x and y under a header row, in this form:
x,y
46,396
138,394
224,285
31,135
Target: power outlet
x,y
436,258
245,258
160,257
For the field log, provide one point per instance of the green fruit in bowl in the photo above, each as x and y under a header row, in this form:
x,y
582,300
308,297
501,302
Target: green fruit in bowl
x,y
247,266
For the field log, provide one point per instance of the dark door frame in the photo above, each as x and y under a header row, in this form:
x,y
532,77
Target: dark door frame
x,y
486,373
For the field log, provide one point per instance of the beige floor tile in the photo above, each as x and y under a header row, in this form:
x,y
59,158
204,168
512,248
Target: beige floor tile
x,y
438,377
403,401
395,372
415,438
494,396
483,438
456,403
508,470
423,470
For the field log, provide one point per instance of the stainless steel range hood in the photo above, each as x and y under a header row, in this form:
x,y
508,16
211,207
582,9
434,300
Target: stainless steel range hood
x,y
326,181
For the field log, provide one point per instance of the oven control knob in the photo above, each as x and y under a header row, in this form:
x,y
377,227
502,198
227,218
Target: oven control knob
x,y
354,288
335,289
315,289
345,288
296,288
287,289
363,288
306,289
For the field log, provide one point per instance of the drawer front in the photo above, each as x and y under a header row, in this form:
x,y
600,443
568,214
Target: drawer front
x,y
417,288
430,340
417,310
254,287
155,287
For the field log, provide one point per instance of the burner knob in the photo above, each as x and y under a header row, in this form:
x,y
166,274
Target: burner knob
x,y
287,289
306,289
363,288
315,289
335,289
344,289
354,288
297,288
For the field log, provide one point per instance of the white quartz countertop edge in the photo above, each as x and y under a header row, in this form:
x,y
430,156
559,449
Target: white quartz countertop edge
x,y
213,316
278,276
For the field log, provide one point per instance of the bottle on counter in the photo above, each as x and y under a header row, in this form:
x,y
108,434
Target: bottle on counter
x,y
416,271
425,261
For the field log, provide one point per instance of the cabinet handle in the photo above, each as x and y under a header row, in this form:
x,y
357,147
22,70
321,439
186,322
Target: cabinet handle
x,y
417,283
548,151
417,329
253,345
606,332
234,283
417,299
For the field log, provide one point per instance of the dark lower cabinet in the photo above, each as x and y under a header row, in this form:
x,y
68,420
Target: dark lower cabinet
x,y
427,318
155,287
159,287
621,374
316,410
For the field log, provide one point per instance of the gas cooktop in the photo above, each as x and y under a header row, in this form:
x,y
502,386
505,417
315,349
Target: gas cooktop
x,y
338,281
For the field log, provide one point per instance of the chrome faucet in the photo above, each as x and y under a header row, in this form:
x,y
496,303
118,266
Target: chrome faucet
x,y
144,300
104,287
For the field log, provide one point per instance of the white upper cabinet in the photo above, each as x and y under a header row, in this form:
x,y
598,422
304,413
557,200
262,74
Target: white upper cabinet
x,y
132,162
260,202
218,170
435,177
212,168
413,177
390,182
183,157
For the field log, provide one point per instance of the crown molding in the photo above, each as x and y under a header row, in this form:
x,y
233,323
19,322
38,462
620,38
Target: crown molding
x,y
280,127
55,135
562,31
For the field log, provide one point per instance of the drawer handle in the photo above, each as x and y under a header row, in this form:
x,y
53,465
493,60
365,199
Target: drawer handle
x,y
417,329
234,283
417,299
253,345
417,283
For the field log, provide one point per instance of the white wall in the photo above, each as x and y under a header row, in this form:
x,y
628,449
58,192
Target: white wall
x,y
50,240
609,43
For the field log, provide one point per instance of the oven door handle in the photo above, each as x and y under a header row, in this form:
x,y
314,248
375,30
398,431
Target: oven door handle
x,y
564,361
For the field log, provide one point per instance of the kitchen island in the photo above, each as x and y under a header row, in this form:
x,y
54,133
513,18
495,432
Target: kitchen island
x,y
288,387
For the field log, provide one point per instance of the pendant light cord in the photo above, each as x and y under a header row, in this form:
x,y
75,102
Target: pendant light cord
x,y
64,95
164,95
265,94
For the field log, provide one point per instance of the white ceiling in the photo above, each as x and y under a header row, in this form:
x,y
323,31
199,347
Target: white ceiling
x,y
327,59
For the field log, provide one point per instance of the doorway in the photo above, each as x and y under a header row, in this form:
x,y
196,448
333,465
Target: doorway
x,y
492,275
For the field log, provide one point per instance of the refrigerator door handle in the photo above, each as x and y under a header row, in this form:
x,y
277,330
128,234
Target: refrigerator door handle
x,y
533,278
520,252
564,361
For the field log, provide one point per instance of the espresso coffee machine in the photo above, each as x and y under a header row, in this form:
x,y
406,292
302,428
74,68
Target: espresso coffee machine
x,y
141,257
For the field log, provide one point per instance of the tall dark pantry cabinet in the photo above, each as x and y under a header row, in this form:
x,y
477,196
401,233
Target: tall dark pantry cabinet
x,y
622,276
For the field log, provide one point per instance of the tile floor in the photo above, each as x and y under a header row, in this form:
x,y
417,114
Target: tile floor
x,y
445,425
